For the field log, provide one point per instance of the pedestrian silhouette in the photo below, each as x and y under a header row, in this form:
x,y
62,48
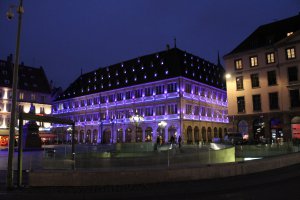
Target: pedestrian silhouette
x,y
179,141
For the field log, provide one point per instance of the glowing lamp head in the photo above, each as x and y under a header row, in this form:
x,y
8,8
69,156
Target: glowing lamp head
x,y
227,76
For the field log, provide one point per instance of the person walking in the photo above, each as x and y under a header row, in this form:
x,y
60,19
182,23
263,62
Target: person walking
x,y
179,141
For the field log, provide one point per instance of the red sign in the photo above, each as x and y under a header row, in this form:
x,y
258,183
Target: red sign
x,y
296,131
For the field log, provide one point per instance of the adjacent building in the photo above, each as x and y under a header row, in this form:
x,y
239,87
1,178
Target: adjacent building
x,y
263,81
164,94
33,90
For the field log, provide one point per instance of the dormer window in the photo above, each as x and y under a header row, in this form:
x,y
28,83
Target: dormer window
x,y
124,71
117,73
107,69
122,65
289,33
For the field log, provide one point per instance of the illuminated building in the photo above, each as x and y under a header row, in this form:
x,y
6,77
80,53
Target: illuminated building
x,y
33,89
263,89
126,102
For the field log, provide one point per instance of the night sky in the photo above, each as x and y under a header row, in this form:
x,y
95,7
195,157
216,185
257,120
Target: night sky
x,y
65,36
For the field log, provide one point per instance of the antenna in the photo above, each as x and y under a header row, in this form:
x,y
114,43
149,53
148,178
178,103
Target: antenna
x,y
175,42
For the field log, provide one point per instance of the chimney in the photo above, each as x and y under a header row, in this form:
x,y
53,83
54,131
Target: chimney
x,y
10,58
168,47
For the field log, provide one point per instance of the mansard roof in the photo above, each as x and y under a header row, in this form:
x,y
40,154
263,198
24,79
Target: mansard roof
x,y
29,78
149,68
269,34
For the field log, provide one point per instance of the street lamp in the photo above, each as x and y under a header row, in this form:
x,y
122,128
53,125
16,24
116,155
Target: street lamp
x,y
162,125
112,121
136,119
227,76
9,14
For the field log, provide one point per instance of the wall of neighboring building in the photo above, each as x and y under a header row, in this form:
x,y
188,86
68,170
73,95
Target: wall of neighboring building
x,y
285,111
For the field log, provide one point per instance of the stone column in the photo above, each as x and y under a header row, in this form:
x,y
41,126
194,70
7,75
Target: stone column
x,y
166,134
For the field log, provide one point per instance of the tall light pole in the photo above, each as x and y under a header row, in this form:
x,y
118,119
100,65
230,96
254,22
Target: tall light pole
x,y
20,11
162,125
136,119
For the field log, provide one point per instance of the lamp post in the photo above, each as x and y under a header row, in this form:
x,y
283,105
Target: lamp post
x,y
136,119
162,125
20,11
112,121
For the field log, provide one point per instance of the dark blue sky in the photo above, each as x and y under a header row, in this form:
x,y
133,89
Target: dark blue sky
x,y
64,36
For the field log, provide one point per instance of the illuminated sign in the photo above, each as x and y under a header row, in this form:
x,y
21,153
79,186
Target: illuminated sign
x,y
296,131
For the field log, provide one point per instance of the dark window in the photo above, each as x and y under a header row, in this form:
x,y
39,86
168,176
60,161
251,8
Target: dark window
x,y
256,102
111,98
172,87
293,74
294,97
272,78
119,96
273,100
148,91
254,80
128,95
188,88
138,93
103,99
239,83
159,89
241,104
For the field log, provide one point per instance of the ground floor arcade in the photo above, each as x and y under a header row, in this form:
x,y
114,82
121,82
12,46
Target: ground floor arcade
x,y
266,127
191,132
